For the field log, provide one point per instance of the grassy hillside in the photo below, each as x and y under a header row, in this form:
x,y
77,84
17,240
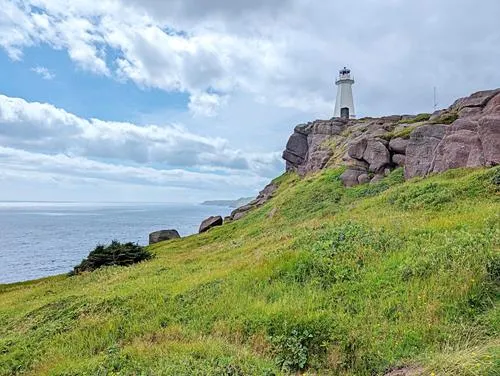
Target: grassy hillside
x,y
321,280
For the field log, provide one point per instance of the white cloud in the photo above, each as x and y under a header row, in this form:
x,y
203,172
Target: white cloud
x,y
44,73
19,161
35,176
272,58
206,104
44,128
283,52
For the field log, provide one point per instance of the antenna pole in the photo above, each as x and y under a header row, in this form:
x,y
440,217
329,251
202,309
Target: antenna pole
x,y
435,99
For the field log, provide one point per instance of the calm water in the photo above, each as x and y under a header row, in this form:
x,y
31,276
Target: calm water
x,y
42,239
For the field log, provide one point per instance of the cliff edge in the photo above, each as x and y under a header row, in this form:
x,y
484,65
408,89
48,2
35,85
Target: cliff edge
x,y
467,134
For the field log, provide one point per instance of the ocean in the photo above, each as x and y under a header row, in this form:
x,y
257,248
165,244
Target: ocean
x,y
43,239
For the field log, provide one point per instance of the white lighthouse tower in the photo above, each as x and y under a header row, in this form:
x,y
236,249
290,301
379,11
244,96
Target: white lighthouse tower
x,y
344,106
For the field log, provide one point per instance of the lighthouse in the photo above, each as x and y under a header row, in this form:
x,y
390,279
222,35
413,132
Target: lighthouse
x,y
344,106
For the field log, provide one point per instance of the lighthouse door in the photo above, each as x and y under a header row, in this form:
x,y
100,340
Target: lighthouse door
x,y
344,112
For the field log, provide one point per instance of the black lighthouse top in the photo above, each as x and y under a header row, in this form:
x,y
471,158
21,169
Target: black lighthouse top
x,y
344,71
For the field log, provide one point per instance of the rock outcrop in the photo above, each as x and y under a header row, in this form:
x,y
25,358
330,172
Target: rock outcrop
x,y
260,200
467,134
210,222
421,149
162,235
307,149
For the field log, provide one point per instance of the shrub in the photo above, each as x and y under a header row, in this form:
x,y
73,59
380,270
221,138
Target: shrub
x,y
114,254
495,178
493,269
446,118
404,133
299,344
416,119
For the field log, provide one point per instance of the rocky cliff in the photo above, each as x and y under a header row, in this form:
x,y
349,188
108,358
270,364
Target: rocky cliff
x,y
467,134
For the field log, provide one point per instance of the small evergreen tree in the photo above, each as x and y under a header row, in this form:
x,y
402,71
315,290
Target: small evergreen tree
x,y
114,254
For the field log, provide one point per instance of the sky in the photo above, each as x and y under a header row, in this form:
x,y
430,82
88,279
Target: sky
x,y
190,100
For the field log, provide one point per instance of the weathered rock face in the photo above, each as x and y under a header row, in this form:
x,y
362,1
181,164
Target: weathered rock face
x,y
307,149
467,134
398,145
296,149
162,235
210,222
420,150
377,155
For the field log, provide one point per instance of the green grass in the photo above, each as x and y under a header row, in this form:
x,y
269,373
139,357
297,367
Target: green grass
x,y
446,118
417,119
404,133
337,281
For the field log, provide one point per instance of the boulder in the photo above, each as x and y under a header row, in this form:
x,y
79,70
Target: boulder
x,y
328,127
162,235
479,99
357,148
399,159
463,125
420,150
493,106
363,179
489,134
292,161
436,115
355,164
377,155
391,118
242,210
459,148
376,178
210,222
296,149
306,150
239,215
350,177
398,145
265,195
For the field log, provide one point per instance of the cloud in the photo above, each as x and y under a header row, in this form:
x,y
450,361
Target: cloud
x,y
44,128
271,58
44,73
35,176
284,53
19,161
206,104
197,9
45,146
